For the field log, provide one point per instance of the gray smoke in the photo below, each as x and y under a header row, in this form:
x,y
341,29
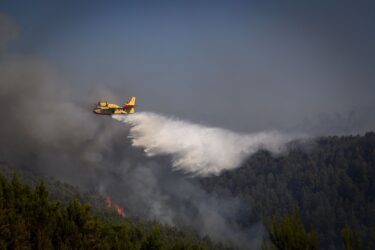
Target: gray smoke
x,y
50,132
8,31
198,149
48,128
247,83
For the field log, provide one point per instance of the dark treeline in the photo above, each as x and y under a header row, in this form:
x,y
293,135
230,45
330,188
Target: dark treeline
x,y
320,197
29,219
332,185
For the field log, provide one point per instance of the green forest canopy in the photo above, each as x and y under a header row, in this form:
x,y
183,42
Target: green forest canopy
x,y
332,184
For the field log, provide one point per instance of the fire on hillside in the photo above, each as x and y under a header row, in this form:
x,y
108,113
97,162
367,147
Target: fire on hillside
x,y
110,204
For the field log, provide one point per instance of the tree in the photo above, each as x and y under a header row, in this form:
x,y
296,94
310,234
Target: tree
x,y
289,233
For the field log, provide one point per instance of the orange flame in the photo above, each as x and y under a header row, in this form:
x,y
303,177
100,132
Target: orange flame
x,y
120,211
110,204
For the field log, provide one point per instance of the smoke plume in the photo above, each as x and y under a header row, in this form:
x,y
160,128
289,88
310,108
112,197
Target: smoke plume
x,y
49,130
8,31
198,149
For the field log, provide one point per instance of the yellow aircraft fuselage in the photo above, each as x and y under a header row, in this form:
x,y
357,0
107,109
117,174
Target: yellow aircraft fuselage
x,y
105,108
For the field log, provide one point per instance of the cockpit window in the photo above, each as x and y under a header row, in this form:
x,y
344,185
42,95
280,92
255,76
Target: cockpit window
x,y
102,104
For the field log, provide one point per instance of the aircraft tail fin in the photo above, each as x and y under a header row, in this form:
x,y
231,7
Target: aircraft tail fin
x,y
132,101
130,105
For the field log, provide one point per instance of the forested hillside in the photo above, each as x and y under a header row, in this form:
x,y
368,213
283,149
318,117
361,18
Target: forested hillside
x,y
29,219
332,184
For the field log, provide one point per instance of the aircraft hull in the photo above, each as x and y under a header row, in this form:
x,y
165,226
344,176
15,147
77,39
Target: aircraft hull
x,y
110,112
105,108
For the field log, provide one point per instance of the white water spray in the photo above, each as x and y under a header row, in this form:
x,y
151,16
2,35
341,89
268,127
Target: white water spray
x,y
198,149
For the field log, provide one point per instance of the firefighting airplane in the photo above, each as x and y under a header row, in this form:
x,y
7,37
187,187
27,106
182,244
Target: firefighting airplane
x,y
105,108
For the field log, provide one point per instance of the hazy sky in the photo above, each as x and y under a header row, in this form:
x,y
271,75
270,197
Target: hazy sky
x,y
243,65
299,66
